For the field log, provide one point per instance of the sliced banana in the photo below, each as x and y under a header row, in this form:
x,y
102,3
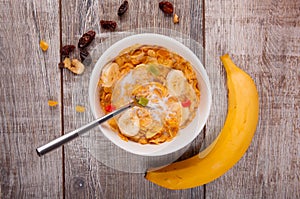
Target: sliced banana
x,y
110,74
75,65
155,128
129,123
185,115
175,82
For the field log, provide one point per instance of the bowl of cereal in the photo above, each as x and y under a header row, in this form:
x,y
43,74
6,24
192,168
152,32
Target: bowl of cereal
x,y
164,75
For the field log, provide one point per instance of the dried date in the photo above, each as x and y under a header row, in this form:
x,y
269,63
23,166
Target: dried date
x,y
86,39
166,7
109,25
123,8
66,50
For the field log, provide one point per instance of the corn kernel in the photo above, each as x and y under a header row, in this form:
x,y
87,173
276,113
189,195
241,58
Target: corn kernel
x,y
44,46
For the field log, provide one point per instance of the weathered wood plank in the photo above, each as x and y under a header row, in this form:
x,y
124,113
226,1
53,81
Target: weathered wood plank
x,y
263,39
84,175
28,79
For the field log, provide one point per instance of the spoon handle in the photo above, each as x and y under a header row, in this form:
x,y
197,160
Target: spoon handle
x,y
42,150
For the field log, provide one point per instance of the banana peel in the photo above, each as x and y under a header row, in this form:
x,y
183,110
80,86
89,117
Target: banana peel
x,y
231,144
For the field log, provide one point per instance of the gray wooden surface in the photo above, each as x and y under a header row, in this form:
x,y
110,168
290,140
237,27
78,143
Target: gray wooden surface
x,y
263,38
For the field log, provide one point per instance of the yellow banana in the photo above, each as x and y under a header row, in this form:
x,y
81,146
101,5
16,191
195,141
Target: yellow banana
x,y
231,144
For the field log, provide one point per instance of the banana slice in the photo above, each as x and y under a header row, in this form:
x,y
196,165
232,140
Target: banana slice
x,y
77,67
155,128
129,123
185,115
176,82
74,65
110,74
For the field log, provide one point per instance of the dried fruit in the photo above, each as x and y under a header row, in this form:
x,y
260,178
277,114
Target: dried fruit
x,y
109,25
80,109
176,18
66,50
67,62
83,54
123,8
44,45
61,65
52,103
110,108
75,65
143,101
166,7
186,103
86,39
85,57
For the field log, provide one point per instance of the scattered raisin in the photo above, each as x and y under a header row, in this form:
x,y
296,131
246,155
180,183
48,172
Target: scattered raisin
x,y
86,39
61,65
123,8
109,25
166,7
85,56
66,50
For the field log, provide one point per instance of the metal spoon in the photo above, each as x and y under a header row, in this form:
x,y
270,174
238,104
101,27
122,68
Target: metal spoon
x,y
42,150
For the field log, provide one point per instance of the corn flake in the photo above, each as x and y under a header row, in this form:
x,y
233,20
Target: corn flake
x,y
44,45
52,103
80,109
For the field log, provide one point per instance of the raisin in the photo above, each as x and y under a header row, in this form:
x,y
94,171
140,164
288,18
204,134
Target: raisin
x,y
85,57
166,7
66,50
86,39
109,25
123,8
83,54
61,65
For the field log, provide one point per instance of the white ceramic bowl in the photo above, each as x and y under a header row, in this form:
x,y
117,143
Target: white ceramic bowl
x,y
186,135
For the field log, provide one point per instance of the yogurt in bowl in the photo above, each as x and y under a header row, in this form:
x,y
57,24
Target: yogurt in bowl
x,y
165,73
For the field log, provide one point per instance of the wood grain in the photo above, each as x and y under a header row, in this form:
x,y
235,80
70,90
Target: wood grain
x,y
263,39
28,79
85,177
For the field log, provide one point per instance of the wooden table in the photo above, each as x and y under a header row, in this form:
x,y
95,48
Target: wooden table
x,y
263,38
